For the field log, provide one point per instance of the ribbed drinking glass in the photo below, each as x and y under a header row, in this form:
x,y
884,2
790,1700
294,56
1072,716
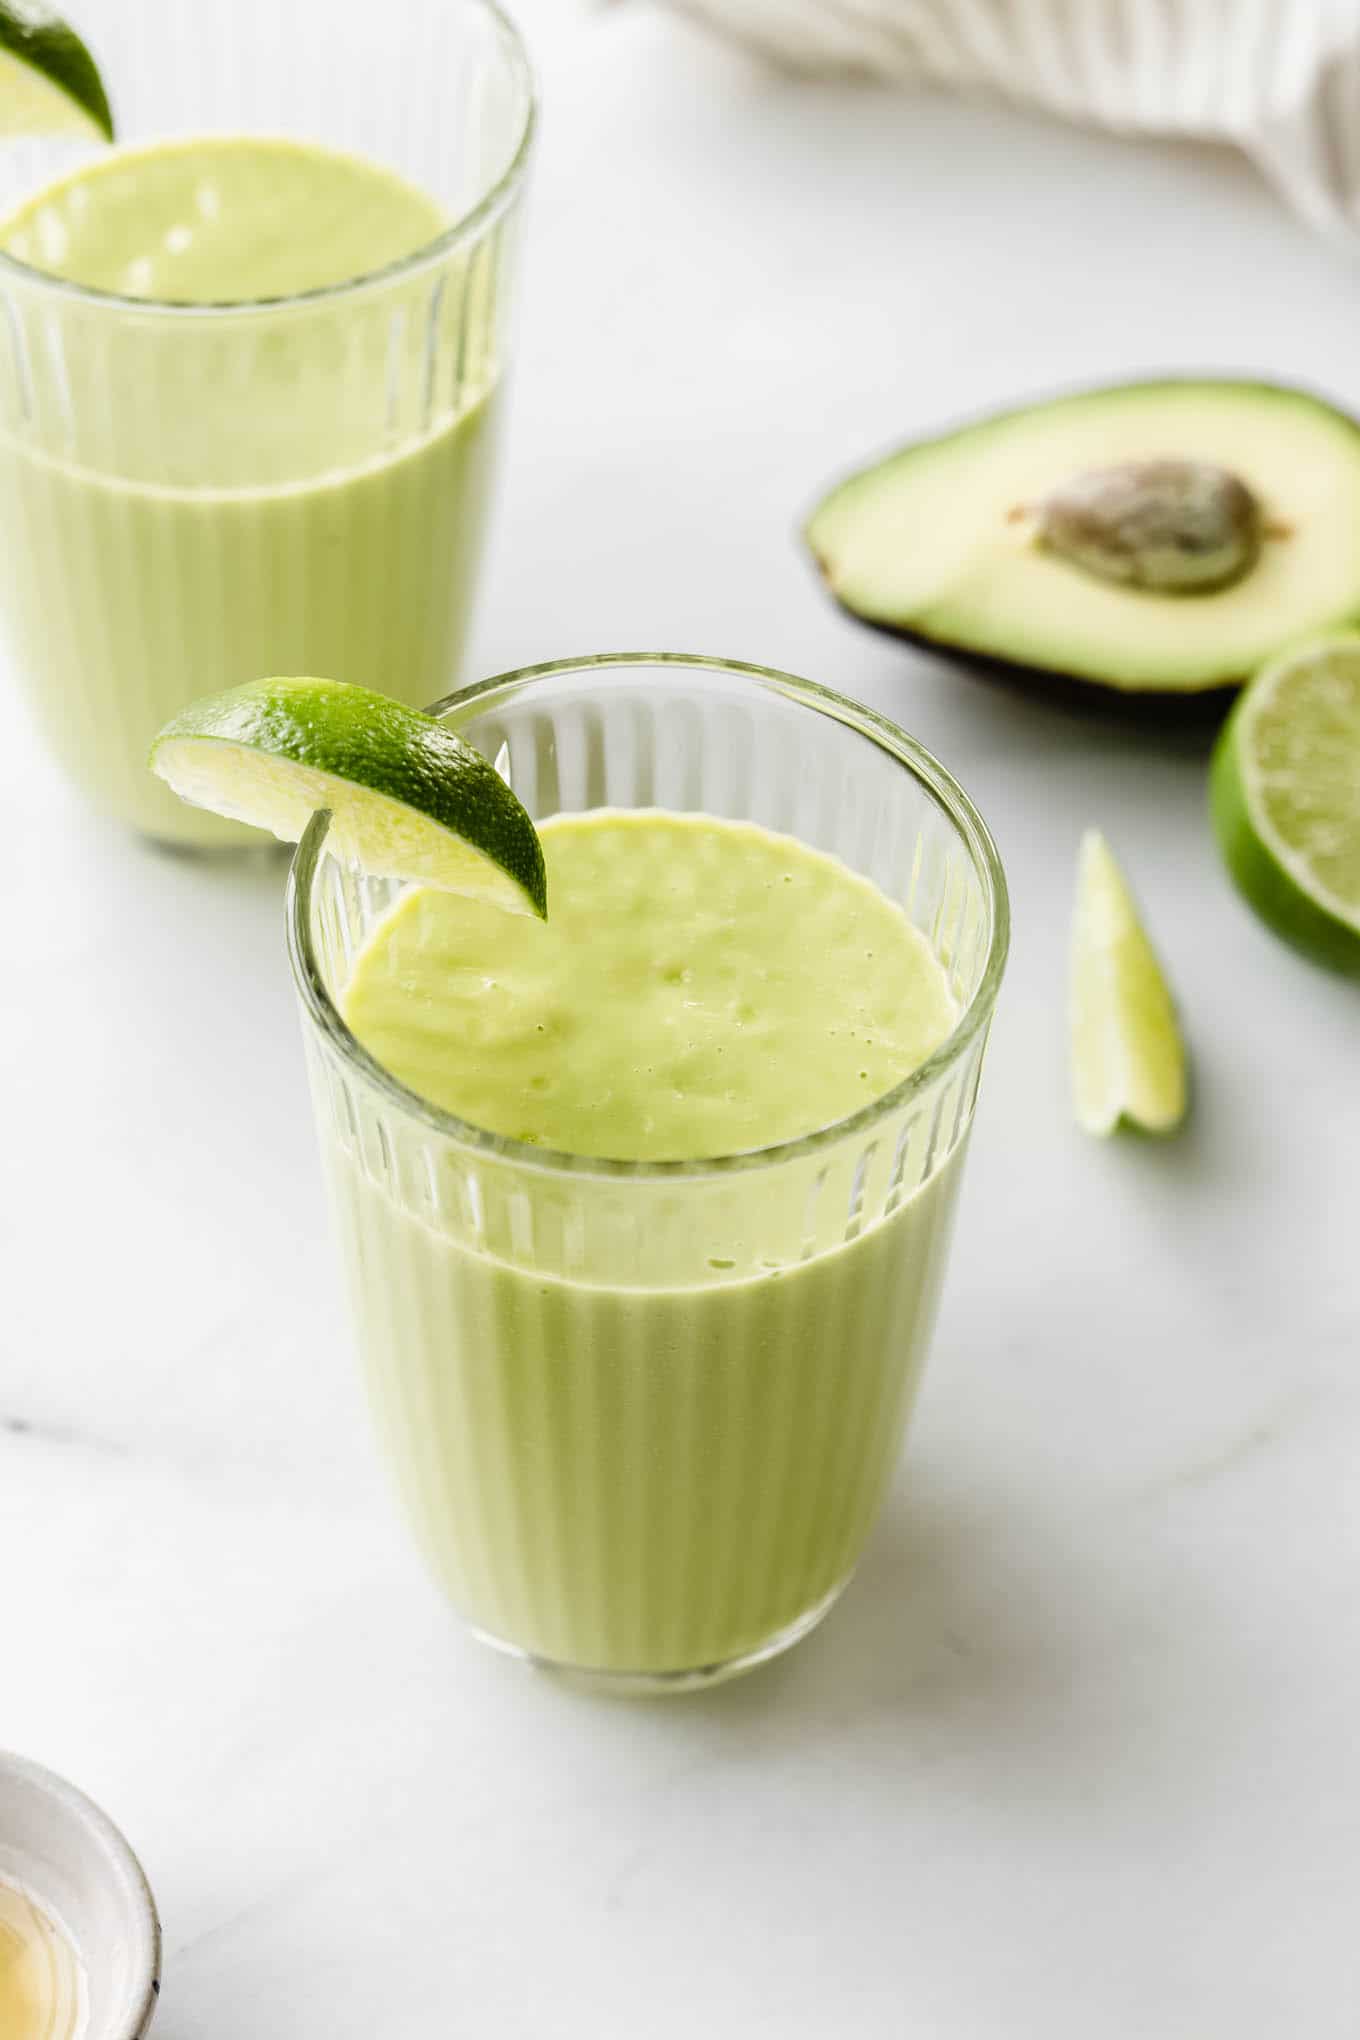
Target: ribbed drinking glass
x,y
643,1415
194,495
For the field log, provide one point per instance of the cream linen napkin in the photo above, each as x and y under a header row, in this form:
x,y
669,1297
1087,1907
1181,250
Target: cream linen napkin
x,y
1278,78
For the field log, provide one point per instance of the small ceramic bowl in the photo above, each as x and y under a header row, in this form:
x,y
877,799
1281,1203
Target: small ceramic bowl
x,y
70,1857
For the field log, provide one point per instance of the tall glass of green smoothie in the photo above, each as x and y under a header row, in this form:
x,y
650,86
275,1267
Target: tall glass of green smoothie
x,y
250,366
644,1209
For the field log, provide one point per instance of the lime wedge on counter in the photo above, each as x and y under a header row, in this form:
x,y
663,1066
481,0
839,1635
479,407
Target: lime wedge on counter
x,y
407,798
1285,795
1128,1060
49,82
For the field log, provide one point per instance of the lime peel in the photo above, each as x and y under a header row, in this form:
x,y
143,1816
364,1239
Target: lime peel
x,y
49,82
408,798
1128,1059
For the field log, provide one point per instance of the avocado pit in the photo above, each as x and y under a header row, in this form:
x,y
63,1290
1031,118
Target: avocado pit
x,y
1173,527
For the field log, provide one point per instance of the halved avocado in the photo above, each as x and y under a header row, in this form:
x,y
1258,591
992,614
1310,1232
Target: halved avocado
x,y
1152,539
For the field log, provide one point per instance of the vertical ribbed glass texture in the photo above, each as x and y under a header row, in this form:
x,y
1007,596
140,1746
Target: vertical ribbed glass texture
x,y
642,1416
173,519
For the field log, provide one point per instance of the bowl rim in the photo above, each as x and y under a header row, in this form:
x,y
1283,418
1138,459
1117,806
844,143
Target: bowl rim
x,y
105,1845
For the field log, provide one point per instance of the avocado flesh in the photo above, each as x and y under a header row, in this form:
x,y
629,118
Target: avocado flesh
x,y
938,542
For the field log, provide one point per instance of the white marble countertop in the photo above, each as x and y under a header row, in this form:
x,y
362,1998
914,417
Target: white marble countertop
x,y
1076,1756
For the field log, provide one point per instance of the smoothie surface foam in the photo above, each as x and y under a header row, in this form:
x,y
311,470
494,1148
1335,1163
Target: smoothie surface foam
x,y
701,987
221,219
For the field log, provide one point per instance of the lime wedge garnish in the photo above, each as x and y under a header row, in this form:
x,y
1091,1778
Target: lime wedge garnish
x,y
1285,793
408,799
1128,1060
49,82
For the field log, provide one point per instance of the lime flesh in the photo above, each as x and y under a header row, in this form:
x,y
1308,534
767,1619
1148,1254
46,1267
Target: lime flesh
x,y
1128,1060
407,797
49,82
1285,797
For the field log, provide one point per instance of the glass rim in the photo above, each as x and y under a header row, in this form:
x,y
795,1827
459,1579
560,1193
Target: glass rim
x,y
940,784
469,226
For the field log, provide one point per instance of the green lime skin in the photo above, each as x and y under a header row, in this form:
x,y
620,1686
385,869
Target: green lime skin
x,y
375,744
46,44
1263,882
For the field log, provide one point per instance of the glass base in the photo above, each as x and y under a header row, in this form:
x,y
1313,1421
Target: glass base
x,y
656,1685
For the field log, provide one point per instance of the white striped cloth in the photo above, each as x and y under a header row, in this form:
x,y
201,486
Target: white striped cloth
x,y
1279,78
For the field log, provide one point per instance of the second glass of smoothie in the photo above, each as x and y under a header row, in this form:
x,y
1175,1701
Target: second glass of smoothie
x,y
250,364
644,1210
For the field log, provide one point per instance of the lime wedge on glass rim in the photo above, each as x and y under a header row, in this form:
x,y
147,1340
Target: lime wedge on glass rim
x,y
407,798
1285,797
49,82
1128,1059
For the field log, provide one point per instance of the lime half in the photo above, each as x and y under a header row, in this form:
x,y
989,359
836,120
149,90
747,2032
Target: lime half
x,y
1285,794
1128,1060
49,82
407,798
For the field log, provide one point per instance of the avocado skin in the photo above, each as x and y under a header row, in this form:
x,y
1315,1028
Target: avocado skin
x,y
1203,707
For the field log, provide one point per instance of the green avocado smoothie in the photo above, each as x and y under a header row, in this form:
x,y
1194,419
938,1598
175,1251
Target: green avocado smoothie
x,y
700,988
192,497
225,219
643,1424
